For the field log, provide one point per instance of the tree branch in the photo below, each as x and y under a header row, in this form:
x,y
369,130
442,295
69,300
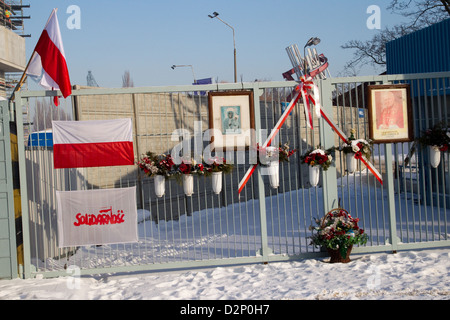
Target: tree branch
x,y
446,5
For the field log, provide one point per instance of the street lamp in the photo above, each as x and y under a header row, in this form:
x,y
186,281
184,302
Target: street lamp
x,y
215,15
185,65
311,42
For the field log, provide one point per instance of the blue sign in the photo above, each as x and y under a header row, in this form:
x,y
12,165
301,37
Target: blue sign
x,y
200,82
40,139
284,105
361,113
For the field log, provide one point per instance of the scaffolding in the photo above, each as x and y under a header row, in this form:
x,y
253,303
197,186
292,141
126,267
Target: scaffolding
x,y
12,16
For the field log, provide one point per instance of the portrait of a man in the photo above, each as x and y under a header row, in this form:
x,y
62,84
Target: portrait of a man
x,y
390,115
390,109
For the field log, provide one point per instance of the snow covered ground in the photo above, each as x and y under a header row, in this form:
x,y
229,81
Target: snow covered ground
x,y
408,275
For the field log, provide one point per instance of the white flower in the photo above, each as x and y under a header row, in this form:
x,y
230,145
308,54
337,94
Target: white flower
x,y
318,151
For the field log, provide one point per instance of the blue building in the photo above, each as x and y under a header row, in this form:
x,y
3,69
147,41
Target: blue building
x,y
426,50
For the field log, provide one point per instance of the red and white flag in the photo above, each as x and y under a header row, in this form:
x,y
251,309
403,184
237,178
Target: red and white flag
x,y
99,216
93,143
48,62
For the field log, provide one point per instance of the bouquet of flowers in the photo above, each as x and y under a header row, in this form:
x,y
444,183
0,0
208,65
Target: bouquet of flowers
x,y
190,166
217,164
358,145
436,137
157,164
318,157
282,153
185,172
337,230
285,152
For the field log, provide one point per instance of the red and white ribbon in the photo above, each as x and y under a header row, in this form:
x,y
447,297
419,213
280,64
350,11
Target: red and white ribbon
x,y
304,90
310,95
269,139
358,154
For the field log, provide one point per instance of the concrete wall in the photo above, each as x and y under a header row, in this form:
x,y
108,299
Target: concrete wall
x,y
12,55
156,115
12,51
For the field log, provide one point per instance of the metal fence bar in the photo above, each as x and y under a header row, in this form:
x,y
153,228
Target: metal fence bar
x,y
261,224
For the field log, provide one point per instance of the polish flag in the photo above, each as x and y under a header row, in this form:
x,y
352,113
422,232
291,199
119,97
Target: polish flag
x,y
48,61
93,143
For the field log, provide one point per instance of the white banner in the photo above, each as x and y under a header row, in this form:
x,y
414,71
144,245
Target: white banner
x,y
93,217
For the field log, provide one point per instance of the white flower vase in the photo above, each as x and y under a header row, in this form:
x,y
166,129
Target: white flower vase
x,y
434,156
351,162
217,182
274,174
314,175
160,185
188,184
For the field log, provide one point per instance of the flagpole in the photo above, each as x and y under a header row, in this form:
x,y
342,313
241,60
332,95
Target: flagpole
x,y
22,79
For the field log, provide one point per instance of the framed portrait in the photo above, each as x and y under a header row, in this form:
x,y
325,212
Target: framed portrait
x,y
231,118
390,113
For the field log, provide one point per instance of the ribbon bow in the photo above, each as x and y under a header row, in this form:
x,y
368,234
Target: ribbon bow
x,y
358,155
310,94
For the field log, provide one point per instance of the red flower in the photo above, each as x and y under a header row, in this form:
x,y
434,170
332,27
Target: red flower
x,y
184,168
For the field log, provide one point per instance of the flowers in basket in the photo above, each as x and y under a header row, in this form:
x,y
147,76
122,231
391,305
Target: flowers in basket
x,y
157,164
437,139
338,231
318,157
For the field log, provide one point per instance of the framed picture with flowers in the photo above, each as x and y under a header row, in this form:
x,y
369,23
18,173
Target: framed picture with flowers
x,y
231,119
390,113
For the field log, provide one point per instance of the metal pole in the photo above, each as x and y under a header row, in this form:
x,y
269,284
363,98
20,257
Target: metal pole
x,y
234,45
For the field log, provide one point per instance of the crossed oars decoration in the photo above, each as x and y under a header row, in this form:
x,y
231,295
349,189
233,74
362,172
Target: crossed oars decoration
x,y
309,92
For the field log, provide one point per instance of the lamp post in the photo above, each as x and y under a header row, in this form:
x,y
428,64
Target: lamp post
x,y
311,42
215,15
185,65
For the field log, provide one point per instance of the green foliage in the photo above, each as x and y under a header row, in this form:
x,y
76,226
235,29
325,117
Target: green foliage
x,y
436,136
338,230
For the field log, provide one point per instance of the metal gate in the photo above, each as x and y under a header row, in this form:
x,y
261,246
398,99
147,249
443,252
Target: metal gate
x,y
259,225
8,244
